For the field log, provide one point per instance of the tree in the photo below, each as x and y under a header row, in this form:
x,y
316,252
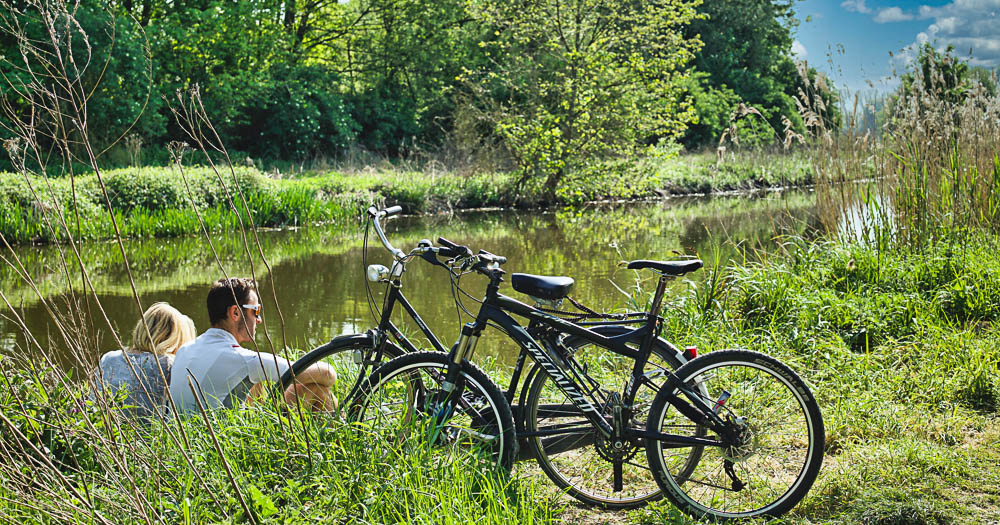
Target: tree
x,y
403,59
569,81
107,57
942,75
747,52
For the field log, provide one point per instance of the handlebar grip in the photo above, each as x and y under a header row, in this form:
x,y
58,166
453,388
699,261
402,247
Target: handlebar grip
x,y
452,249
500,259
393,210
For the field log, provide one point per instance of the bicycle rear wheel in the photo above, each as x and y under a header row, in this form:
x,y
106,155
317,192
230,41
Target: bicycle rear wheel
x,y
573,453
774,447
399,402
350,356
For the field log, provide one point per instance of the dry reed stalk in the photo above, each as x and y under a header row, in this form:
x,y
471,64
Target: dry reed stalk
x,y
64,102
193,119
195,387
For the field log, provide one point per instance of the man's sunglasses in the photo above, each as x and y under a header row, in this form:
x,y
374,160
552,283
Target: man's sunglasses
x,y
255,307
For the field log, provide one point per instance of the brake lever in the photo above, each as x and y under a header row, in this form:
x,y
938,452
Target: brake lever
x,y
468,262
431,257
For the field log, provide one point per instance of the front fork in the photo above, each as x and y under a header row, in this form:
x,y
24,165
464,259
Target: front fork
x,y
443,403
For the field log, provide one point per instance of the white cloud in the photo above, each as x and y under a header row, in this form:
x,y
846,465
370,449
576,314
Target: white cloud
x,y
857,6
799,51
966,24
892,14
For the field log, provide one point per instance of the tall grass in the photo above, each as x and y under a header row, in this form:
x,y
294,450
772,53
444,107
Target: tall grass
x,y
932,171
69,460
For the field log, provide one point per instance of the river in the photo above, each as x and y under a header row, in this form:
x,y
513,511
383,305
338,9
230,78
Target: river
x,y
317,273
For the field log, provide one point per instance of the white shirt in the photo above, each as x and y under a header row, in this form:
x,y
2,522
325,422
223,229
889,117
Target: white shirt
x,y
218,364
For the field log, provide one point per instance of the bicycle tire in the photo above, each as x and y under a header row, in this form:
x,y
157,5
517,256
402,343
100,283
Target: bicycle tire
x,y
342,354
566,462
481,421
760,393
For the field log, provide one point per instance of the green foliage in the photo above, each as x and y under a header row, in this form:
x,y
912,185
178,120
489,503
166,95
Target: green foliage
x,y
405,58
713,107
569,81
746,57
299,114
156,202
942,74
986,78
261,97
110,65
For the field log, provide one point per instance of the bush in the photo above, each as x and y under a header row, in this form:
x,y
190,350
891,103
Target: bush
x,y
299,115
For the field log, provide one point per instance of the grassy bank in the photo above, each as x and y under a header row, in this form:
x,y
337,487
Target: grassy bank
x,y
73,466
159,202
899,346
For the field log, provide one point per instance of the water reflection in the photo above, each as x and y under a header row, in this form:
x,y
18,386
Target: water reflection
x,y
318,274
859,211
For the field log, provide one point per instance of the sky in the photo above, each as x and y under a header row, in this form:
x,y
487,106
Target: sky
x,y
851,40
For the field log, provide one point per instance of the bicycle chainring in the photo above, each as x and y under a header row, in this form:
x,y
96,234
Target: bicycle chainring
x,y
606,448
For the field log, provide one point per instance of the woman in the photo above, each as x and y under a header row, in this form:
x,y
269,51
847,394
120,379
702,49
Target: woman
x,y
143,370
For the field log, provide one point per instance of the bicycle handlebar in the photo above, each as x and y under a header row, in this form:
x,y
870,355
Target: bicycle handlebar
x,y
449,248
453,250
376,214
499,259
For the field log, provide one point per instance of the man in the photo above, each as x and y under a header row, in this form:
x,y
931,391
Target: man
x,y
216,369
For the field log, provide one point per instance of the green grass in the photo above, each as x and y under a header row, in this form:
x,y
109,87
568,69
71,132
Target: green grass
x,y
285,469
902,353
899,346
159,202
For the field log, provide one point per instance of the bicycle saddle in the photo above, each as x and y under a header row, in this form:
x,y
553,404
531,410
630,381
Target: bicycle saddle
x,y
667,267
542,286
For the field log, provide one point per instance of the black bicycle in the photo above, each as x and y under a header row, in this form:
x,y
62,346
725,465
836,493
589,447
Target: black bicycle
x,y
729,434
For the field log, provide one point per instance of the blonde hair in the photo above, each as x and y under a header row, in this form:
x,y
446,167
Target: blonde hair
x,y
169,329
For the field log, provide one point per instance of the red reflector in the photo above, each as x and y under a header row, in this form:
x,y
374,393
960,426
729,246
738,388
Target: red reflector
x,y
691,352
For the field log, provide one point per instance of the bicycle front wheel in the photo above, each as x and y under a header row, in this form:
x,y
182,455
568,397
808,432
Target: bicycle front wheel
x,y
353,357
769,452
400,400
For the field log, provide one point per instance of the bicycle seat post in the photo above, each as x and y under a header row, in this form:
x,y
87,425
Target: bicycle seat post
x,y
661,288
654,311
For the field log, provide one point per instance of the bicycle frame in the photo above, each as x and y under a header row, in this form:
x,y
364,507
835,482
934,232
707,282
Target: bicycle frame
x,y
494,308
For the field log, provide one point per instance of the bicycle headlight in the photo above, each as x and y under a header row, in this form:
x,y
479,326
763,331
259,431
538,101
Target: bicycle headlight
x,y
377,273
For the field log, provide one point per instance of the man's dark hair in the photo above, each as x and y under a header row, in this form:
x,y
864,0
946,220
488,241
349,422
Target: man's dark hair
x,y
221,296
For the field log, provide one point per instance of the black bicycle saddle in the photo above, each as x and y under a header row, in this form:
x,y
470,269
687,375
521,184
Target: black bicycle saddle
x,y
542,286
667,267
